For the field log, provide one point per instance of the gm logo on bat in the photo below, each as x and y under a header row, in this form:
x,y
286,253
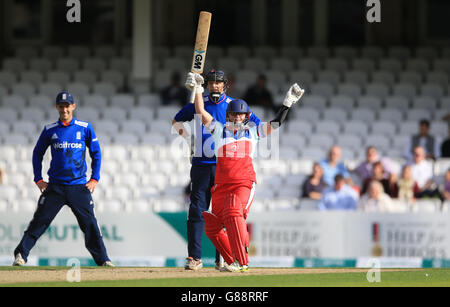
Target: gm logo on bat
x,y
198,60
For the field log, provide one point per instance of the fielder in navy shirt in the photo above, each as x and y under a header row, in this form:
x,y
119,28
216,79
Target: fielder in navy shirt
x,y
68,139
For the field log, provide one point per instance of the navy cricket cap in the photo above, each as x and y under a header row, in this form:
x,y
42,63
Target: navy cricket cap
x,y
64,96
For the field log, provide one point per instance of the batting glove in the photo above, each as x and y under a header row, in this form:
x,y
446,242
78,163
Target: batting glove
x,y
194,81
293,95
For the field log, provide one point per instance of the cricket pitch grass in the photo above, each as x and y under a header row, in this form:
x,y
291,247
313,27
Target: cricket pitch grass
x,y
209,277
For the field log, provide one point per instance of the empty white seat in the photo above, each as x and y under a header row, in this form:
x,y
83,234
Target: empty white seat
x,y
336,64
94,64
114,77
85,76
309,64
357,77
426,52
61,78
78,89
14,65
8,78
404,89
439,128
106,126
318,52
436,77
153,139
363,114
308,204
78,51
398,52
229,64
120,64
372,52
104,88
314,101
359,127
408,127
432,90
87,113
163,126
49,89
379,141
418,114
141,113
426,205
320,139
322,89
384,77
306,113
133,126
397,102
291,52
167,112
15,139
275,77
32,77
34,113
294,139
264,52
14,102
163,78
329,76
364,64
246,76
441,165
67,64
379,90
411,77
255,64
390,114
343,102
369,102
8,114
283,64
123,100
352,141
345,52
420,66
335,113
24,89
96,101
8,192
383,127
303,77
392,65
40,64
114,113
52,52
105,51
302,127
352,90
125,138
424,102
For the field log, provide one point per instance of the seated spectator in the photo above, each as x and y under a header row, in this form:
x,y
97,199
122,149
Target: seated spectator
x,y
406,186
422,173
259,95
364,170
314,184
429,143
375,200
445,189
332,167
175,93
339,197
445,147
378,174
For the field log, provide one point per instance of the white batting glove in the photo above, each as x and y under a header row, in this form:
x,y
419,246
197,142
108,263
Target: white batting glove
x,y
293,95
194,81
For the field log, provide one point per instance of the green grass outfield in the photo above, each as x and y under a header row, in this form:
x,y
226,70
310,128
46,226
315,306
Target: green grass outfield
x,y
410,278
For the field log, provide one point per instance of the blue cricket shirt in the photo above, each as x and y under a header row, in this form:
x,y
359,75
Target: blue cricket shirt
x,y
68,149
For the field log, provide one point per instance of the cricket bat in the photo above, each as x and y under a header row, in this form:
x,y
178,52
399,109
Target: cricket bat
x,y
201,44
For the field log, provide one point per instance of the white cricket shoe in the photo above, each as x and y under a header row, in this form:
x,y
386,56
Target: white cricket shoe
x,y
193,264
235,267
108,264
19,261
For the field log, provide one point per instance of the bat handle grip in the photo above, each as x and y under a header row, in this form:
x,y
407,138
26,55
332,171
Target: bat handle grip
x,y
192,98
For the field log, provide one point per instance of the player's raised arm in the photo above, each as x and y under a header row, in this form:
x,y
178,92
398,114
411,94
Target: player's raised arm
x,y
293,95
194,80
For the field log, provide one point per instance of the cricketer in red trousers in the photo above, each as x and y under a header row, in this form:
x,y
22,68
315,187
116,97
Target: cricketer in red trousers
x,y
233,192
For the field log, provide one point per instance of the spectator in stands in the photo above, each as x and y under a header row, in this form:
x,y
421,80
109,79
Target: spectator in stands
x,y
259,95
332,167
378,174
364,170
375,200
445,147
314,185
445,189
428,142
175,93
339,197
422,173
407,187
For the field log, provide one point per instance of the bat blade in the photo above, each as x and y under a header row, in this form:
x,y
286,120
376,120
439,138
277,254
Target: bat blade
x,y
201,42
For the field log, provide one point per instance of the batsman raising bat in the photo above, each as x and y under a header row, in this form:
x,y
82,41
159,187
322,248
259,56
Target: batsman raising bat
x,y
233,191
